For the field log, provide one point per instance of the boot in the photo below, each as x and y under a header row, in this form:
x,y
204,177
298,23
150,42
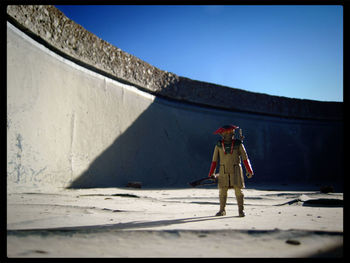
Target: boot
x,y
240,206
222,211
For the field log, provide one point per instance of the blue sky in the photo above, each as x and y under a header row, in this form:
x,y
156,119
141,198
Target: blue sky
x,y
291,51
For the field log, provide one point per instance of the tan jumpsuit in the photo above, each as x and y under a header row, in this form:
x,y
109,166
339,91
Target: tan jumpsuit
x,y
230,171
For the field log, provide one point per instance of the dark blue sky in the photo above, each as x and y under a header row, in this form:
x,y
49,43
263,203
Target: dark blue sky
x,y
292,51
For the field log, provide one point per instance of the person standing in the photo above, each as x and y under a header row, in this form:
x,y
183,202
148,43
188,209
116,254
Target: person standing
x,y
230,151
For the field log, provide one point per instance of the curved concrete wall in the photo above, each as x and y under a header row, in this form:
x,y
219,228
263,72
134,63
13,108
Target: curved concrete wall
x,y
83,113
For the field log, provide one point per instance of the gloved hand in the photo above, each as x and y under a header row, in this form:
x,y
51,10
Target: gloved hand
x,y
213,176
249,175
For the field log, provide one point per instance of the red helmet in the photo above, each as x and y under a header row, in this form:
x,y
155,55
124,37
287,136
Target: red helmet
x,y
226,128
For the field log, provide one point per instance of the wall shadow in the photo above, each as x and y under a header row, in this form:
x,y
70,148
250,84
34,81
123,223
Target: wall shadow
x,y
163,147
171,143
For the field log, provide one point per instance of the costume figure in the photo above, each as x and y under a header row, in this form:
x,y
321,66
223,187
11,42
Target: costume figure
x,y
230,151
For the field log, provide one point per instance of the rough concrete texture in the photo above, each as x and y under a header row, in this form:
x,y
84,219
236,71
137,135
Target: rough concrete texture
x,y
124,222
81,117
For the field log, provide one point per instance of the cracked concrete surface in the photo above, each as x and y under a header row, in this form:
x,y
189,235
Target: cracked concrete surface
x,y
152,220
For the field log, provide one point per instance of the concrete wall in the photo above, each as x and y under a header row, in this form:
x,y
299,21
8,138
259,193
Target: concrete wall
x,y
77,120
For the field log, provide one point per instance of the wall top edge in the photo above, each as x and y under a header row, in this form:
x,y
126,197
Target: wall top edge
x,y
51,26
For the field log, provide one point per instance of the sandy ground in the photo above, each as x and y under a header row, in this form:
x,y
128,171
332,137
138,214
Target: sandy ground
x,y
127,222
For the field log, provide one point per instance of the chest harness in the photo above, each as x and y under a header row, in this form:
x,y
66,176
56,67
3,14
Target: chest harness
x,y
227,146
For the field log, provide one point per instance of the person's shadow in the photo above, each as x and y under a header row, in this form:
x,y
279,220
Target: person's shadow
x,y
135,224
